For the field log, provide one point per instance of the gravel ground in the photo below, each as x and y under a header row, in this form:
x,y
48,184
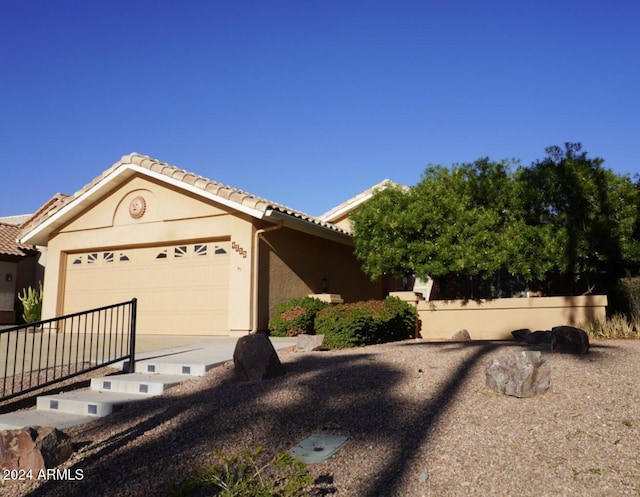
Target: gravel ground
x,y
419,418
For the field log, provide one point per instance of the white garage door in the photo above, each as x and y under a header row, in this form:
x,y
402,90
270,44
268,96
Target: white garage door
x,y
181,289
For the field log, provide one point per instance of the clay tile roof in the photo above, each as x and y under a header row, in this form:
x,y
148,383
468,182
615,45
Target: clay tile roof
x,y
226,192
48,208
8,241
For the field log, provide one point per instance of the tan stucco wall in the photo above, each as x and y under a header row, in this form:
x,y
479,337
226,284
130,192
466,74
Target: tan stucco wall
x,y
496,319
293,264
171,217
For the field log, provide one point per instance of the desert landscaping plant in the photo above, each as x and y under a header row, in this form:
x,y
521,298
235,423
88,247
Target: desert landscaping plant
x,y
247,474
31,300
616,326
295,316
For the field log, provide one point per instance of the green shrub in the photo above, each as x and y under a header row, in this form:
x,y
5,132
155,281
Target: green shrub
x,y
296,316
248,475
366,323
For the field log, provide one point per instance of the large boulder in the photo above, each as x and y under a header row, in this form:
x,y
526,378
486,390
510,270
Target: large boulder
x,y
522,374
34,449
18,451
254,358
569,340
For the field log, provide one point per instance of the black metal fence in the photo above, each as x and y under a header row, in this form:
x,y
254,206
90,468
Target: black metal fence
x,y
38,354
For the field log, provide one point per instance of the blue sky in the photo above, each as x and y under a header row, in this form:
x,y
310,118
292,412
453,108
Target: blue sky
x,y
308,103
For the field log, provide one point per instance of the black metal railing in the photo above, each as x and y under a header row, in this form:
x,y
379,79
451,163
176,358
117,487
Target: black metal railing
x,y
39,354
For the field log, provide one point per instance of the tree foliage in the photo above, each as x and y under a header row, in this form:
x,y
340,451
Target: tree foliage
x,y
591,210
563,214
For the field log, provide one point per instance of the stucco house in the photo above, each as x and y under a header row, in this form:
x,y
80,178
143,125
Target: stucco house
x,y
201,257
19,268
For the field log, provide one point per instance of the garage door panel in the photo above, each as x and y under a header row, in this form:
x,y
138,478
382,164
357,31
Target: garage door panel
x,y
180,289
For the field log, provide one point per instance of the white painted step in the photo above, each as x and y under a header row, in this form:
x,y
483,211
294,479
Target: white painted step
x,y
173,368
137,383
87,402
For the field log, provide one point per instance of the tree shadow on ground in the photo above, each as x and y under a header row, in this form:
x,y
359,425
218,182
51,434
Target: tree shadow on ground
x,y
350,394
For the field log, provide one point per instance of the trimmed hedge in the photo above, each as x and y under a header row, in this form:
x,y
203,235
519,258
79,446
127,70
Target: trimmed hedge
x,y
295,316
366,323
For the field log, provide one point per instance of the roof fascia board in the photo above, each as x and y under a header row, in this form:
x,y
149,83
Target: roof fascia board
x,y
347,208
308,227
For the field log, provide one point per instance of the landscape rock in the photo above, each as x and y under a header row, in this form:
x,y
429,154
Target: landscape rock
x,y
308,343
521,334
18,451
569,340
461,336
55,446
532,338
254,358
34,448
522,374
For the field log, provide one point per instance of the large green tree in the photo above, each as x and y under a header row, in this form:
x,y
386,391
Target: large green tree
x,y
591,210
462,220
564,214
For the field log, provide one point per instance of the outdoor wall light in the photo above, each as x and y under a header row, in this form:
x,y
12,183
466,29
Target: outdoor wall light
x,y
324,285
8,277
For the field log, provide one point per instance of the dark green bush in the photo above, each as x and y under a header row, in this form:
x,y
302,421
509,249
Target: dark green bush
x,y
366,323
296,316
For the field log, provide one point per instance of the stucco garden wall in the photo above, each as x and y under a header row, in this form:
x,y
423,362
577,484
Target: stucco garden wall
x,y
495,319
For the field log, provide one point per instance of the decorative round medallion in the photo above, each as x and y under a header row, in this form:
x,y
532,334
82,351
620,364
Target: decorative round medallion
x,y
137,207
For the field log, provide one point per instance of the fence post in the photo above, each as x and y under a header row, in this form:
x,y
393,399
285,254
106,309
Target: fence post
x,y
132,338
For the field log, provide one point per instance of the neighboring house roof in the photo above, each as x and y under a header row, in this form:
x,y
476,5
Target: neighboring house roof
x,y
345,208
56,213
8,241
15,220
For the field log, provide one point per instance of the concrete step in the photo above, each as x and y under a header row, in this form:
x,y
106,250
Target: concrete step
x,y
137,383
35,417
87,402
173,368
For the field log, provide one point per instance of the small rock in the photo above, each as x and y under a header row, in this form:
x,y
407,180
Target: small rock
x,y
308,343
461,336
523,374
